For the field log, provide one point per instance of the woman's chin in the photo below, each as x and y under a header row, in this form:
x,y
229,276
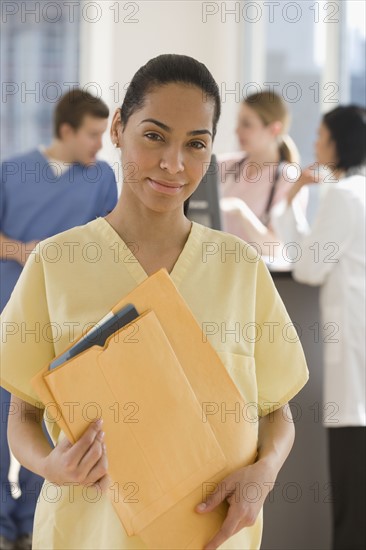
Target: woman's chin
x,y
156,208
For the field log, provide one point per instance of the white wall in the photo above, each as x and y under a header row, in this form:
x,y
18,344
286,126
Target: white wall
x,y
117,44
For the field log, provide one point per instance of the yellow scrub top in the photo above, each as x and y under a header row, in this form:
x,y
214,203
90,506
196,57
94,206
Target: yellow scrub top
x,y
73,279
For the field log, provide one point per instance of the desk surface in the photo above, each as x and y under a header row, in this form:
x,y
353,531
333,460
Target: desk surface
x,y
278,269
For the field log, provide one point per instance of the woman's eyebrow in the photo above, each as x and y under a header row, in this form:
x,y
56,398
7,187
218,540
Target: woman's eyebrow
x,y
168,129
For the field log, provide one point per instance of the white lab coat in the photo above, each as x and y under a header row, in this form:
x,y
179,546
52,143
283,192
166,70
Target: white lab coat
x,y
332,254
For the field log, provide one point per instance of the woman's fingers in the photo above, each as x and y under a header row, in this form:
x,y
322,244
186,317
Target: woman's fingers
x,y
93,455
243,511
228,528
104,483
83,445
220,493
99,469
82,462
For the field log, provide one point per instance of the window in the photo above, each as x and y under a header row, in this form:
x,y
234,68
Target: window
x,y
313,54
354,47
39,63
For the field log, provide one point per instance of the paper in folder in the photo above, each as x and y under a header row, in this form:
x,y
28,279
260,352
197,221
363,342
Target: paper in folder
x,y
99,334
166,373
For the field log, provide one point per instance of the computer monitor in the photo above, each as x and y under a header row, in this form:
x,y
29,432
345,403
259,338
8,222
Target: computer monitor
x,y
204,206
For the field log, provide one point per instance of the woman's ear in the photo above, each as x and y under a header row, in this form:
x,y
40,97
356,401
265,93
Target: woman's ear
x,y
276,128
116,128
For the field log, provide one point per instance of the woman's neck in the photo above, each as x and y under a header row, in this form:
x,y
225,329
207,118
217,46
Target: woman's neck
x,y
155,238
159,231
338,174
264,158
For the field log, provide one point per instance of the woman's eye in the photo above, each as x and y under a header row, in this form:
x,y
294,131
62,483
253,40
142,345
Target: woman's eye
x,y
153,136
197,145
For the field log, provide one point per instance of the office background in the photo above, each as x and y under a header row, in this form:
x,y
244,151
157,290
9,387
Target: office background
x,y
313,53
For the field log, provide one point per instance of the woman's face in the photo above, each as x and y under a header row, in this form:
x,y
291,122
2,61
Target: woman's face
x,y
254,136
325,149
166,146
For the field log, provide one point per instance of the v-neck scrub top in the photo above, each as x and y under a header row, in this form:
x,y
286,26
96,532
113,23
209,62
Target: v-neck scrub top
x,y
73,279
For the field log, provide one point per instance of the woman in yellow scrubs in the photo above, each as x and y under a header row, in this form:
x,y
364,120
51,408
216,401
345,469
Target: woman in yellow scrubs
x,y
165,130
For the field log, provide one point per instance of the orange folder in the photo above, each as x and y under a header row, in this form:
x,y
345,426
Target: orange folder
x,y
159,386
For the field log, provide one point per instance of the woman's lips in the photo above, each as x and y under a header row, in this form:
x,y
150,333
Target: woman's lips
x,y
166,188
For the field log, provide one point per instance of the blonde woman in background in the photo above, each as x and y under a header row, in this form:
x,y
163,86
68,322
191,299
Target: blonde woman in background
x,y
261,175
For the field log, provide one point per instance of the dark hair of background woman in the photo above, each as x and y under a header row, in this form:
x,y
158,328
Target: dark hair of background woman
x,y
347,126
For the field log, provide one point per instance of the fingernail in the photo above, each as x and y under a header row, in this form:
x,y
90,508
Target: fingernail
x,y
99,422
101,435
201,507
104,447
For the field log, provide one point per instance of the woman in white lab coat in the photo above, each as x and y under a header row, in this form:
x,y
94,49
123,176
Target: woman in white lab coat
x,y
332,253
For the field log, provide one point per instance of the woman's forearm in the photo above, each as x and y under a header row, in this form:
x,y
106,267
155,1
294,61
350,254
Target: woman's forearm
x,y
83,462
26,438
294,190
276,438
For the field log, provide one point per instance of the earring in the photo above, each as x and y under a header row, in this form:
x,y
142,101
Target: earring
x,y
116,144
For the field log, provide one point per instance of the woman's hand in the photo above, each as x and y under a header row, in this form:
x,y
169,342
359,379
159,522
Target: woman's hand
x,y
245,490
251,229
309,175
84,462
234,205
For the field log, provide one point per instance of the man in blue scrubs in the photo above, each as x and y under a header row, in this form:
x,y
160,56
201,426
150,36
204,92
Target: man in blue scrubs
x,y
42,193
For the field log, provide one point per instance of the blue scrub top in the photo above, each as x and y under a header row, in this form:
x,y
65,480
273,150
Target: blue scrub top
x,y
36,203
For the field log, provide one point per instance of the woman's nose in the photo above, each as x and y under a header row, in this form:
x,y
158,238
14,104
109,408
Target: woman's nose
x,y
172,160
